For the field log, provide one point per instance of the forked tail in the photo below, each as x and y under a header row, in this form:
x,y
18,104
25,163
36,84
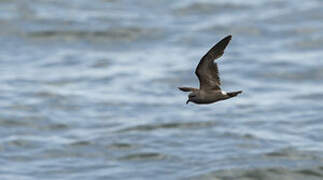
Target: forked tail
x,y
234,93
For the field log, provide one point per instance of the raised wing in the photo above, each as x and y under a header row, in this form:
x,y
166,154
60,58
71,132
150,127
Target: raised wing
x,y
207,70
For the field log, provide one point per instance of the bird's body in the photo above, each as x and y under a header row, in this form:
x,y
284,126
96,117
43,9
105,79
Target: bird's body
x,y
208,75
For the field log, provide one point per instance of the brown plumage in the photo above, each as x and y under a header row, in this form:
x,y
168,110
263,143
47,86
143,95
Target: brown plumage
x,y
208,74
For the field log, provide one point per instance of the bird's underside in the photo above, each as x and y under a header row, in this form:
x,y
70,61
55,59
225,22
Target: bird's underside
x,y
208,75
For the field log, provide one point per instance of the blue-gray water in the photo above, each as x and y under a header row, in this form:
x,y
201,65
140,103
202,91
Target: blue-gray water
x,y
88,90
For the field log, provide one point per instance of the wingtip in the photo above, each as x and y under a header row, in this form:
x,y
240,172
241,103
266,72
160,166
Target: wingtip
x,y
234,93
229,37
180,88
224,42
186,89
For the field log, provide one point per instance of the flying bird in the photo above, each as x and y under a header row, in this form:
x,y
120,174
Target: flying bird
x,y
208,75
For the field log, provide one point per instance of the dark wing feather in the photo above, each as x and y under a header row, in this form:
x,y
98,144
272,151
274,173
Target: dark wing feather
x,y
187,89
207,70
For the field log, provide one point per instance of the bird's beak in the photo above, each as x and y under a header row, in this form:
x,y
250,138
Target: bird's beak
x,y
187,101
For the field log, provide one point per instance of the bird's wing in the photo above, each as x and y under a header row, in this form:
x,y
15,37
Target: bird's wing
x,y
187,89
207,70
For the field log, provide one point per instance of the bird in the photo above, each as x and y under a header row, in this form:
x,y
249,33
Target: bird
x,y
208,74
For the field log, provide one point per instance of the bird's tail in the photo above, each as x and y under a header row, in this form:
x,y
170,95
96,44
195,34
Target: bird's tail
x,y
234,93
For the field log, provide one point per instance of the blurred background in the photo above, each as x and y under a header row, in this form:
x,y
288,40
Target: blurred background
x,y
89,90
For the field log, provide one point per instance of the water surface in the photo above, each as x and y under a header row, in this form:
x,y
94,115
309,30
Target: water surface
x,y
89,90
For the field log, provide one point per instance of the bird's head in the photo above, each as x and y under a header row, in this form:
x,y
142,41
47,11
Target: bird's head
x,y
191,97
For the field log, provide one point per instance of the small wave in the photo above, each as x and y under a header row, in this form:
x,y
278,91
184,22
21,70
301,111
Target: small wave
x,y
309,172
12,122
199,7
315,173
144,156
312,96
245,30
292,154
101,63
115,33
55,127
121,146
238,135
297,75
307,44
80,143
188,125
